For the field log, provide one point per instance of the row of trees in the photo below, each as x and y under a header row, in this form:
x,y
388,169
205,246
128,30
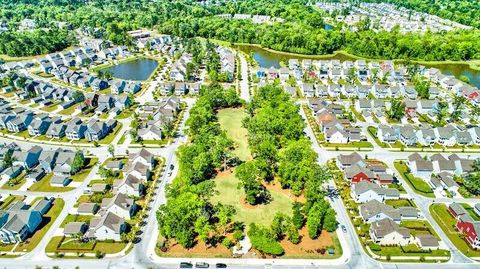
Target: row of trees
x,y
188,213
302,31
281,151
35,42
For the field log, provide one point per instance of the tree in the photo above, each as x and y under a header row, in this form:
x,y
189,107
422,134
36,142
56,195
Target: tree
x,y
459,102
247,173
440,112
8,159
263,240
472,180
397,109
224,213
168,127
111,150
352,75
298,219
422,87
279,225
293,235
78,162
202,228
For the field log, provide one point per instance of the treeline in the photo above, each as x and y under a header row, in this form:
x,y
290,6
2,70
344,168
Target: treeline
x,y
188,214
463,11
302,31
303,39
280,150
35,42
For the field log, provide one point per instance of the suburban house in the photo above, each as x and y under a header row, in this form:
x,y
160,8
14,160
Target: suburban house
x,y
108,226
120,205
387,232
365,191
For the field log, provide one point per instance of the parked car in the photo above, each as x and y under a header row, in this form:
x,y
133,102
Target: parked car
x,y
202,265
172,166
220,265
344,229
185,265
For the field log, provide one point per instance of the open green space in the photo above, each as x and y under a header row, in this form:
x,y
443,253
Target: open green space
x,y
76,218
417,184
229,194
447,223
230,120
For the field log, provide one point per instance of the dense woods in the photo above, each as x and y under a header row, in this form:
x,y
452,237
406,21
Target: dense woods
x,y
35,42
302,31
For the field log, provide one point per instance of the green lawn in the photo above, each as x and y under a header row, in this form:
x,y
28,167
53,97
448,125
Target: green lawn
x,y
48,220
229,194
78,218
80,176
471,212
68,111
447,223
90,247
230,120
418,227
49,108
417,184
44,185
10,200
409,250
109,138
399,203
15,183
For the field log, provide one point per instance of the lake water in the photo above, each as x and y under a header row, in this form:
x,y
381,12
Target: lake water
x,y
139,69
458,70
267,59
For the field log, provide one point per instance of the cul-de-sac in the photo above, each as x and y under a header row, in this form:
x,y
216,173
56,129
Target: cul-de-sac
x,y
243,134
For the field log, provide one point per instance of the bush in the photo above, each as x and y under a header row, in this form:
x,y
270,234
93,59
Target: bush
x,y
227,243
238,235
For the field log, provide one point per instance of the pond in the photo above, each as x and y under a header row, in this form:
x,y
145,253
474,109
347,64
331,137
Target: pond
x,y
458,70
266,59
139,69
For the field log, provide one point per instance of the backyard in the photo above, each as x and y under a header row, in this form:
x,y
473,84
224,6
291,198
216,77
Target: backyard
x,y
417,184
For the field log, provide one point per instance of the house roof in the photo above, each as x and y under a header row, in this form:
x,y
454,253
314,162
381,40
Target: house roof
x,y
74,228
350,159
427,240
89,208
119,200
386,226
109,220
374,207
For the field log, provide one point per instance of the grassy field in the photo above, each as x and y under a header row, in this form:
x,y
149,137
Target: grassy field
x,y
229,194
417,184
230,120
447,223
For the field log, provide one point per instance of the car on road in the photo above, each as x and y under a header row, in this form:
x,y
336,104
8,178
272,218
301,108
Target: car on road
x,y
344,229
202,265
172,166
185,265
220,265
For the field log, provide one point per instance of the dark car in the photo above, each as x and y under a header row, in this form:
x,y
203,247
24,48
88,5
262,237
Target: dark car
x,y
220,265
202,265
185,265
172,166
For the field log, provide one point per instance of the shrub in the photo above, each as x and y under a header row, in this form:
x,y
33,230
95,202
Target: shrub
x,y
227,243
